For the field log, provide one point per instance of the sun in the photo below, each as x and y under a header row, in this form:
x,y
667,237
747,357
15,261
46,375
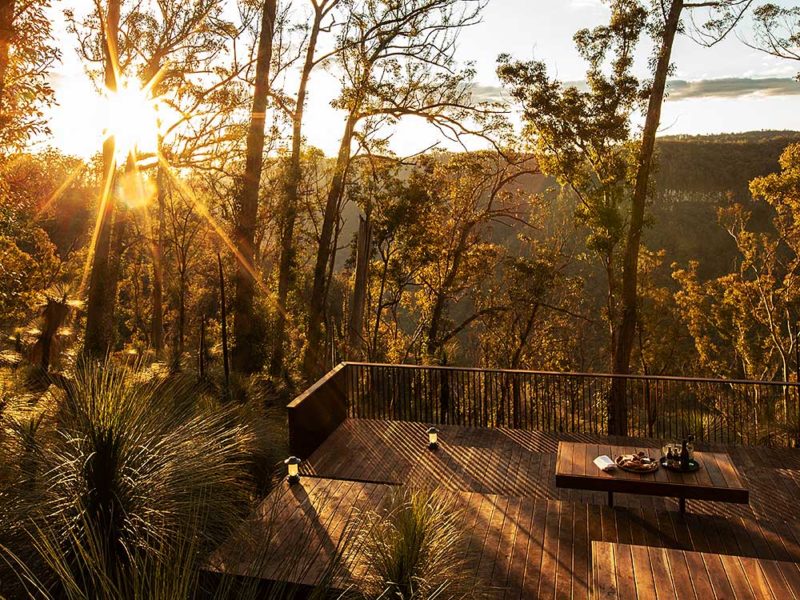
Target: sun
x,y
132,119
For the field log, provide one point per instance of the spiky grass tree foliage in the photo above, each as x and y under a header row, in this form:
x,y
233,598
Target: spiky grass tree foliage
x,y
137,480
413,547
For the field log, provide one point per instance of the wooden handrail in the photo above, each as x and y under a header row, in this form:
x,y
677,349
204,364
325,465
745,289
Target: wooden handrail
x,y
632,376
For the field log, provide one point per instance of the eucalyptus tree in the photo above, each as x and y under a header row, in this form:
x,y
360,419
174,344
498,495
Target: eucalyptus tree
x,y
722,16
27,56
159,46
583,137
247,353
322,21
587,134
395,59
777,31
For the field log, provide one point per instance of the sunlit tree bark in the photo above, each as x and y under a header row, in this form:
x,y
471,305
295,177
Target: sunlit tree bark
x,y
247,353
288,215
102,286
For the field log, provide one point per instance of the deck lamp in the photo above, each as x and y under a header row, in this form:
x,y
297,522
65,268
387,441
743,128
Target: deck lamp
x,y
293,467
433,438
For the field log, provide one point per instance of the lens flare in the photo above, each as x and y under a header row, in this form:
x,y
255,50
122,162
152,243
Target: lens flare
x,y
132,119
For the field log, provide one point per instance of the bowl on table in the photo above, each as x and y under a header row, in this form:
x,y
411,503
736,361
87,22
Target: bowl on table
x,y
636,463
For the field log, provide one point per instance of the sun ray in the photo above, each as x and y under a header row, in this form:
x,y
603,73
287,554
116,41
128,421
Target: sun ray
x,y
187,193
105,198
61,189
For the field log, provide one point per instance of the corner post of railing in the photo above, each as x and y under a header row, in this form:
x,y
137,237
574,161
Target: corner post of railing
x,y
317,412
797,416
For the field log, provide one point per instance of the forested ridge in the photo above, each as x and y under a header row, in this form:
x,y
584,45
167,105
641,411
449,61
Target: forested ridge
x,y
696,176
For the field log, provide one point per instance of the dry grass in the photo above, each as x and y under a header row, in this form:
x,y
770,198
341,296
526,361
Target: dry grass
x,y
413,548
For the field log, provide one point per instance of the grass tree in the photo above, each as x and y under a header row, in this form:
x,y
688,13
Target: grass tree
x,y
137,482
413,548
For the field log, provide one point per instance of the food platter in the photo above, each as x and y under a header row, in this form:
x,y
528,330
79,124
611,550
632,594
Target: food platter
x,y
637,463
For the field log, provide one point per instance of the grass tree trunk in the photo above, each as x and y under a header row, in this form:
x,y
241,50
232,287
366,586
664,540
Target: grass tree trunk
x,y
290,200
618,409
100,304
247,355
356,324
7,8
314,356
53,317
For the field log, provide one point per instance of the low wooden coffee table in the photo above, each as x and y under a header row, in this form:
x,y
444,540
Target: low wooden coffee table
x,y
717,479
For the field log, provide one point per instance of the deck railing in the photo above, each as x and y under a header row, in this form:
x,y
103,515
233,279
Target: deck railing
x,y
714,410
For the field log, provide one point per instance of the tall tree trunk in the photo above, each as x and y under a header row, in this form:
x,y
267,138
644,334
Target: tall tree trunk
x,y
157,320
247,355
379,303
223,317
356,324
618,410
7,8
290,199
434,344
100,305
314,359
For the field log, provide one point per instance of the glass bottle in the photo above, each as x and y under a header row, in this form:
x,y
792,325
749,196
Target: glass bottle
x,y
685,455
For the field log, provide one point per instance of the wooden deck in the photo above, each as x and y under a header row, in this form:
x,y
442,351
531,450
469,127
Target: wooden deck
x,y
526,538
627,572
512,462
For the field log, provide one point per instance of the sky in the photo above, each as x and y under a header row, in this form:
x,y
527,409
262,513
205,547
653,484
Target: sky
x,y
726,88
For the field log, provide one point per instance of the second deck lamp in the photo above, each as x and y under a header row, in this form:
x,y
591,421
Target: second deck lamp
x,y
433,438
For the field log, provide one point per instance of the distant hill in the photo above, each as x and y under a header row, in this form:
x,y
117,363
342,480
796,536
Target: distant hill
x,y
696,175
717,164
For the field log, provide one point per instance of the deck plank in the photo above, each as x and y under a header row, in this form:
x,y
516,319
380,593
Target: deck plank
x,y
622,571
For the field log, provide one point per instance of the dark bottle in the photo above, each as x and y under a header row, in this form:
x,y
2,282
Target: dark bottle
x,y
685,456
670,457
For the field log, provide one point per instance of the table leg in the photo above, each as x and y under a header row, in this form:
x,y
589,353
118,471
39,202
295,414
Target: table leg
x,y
682,504
611,499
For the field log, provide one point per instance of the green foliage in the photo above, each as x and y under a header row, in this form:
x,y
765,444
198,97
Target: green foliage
x,y
745,323
583,138
25,74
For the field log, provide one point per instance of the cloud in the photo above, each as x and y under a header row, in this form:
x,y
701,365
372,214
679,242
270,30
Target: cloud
x,y
487,93
733,87
680,89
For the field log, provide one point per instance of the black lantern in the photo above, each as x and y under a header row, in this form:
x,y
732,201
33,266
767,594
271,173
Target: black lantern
x,y
293,469
433,438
